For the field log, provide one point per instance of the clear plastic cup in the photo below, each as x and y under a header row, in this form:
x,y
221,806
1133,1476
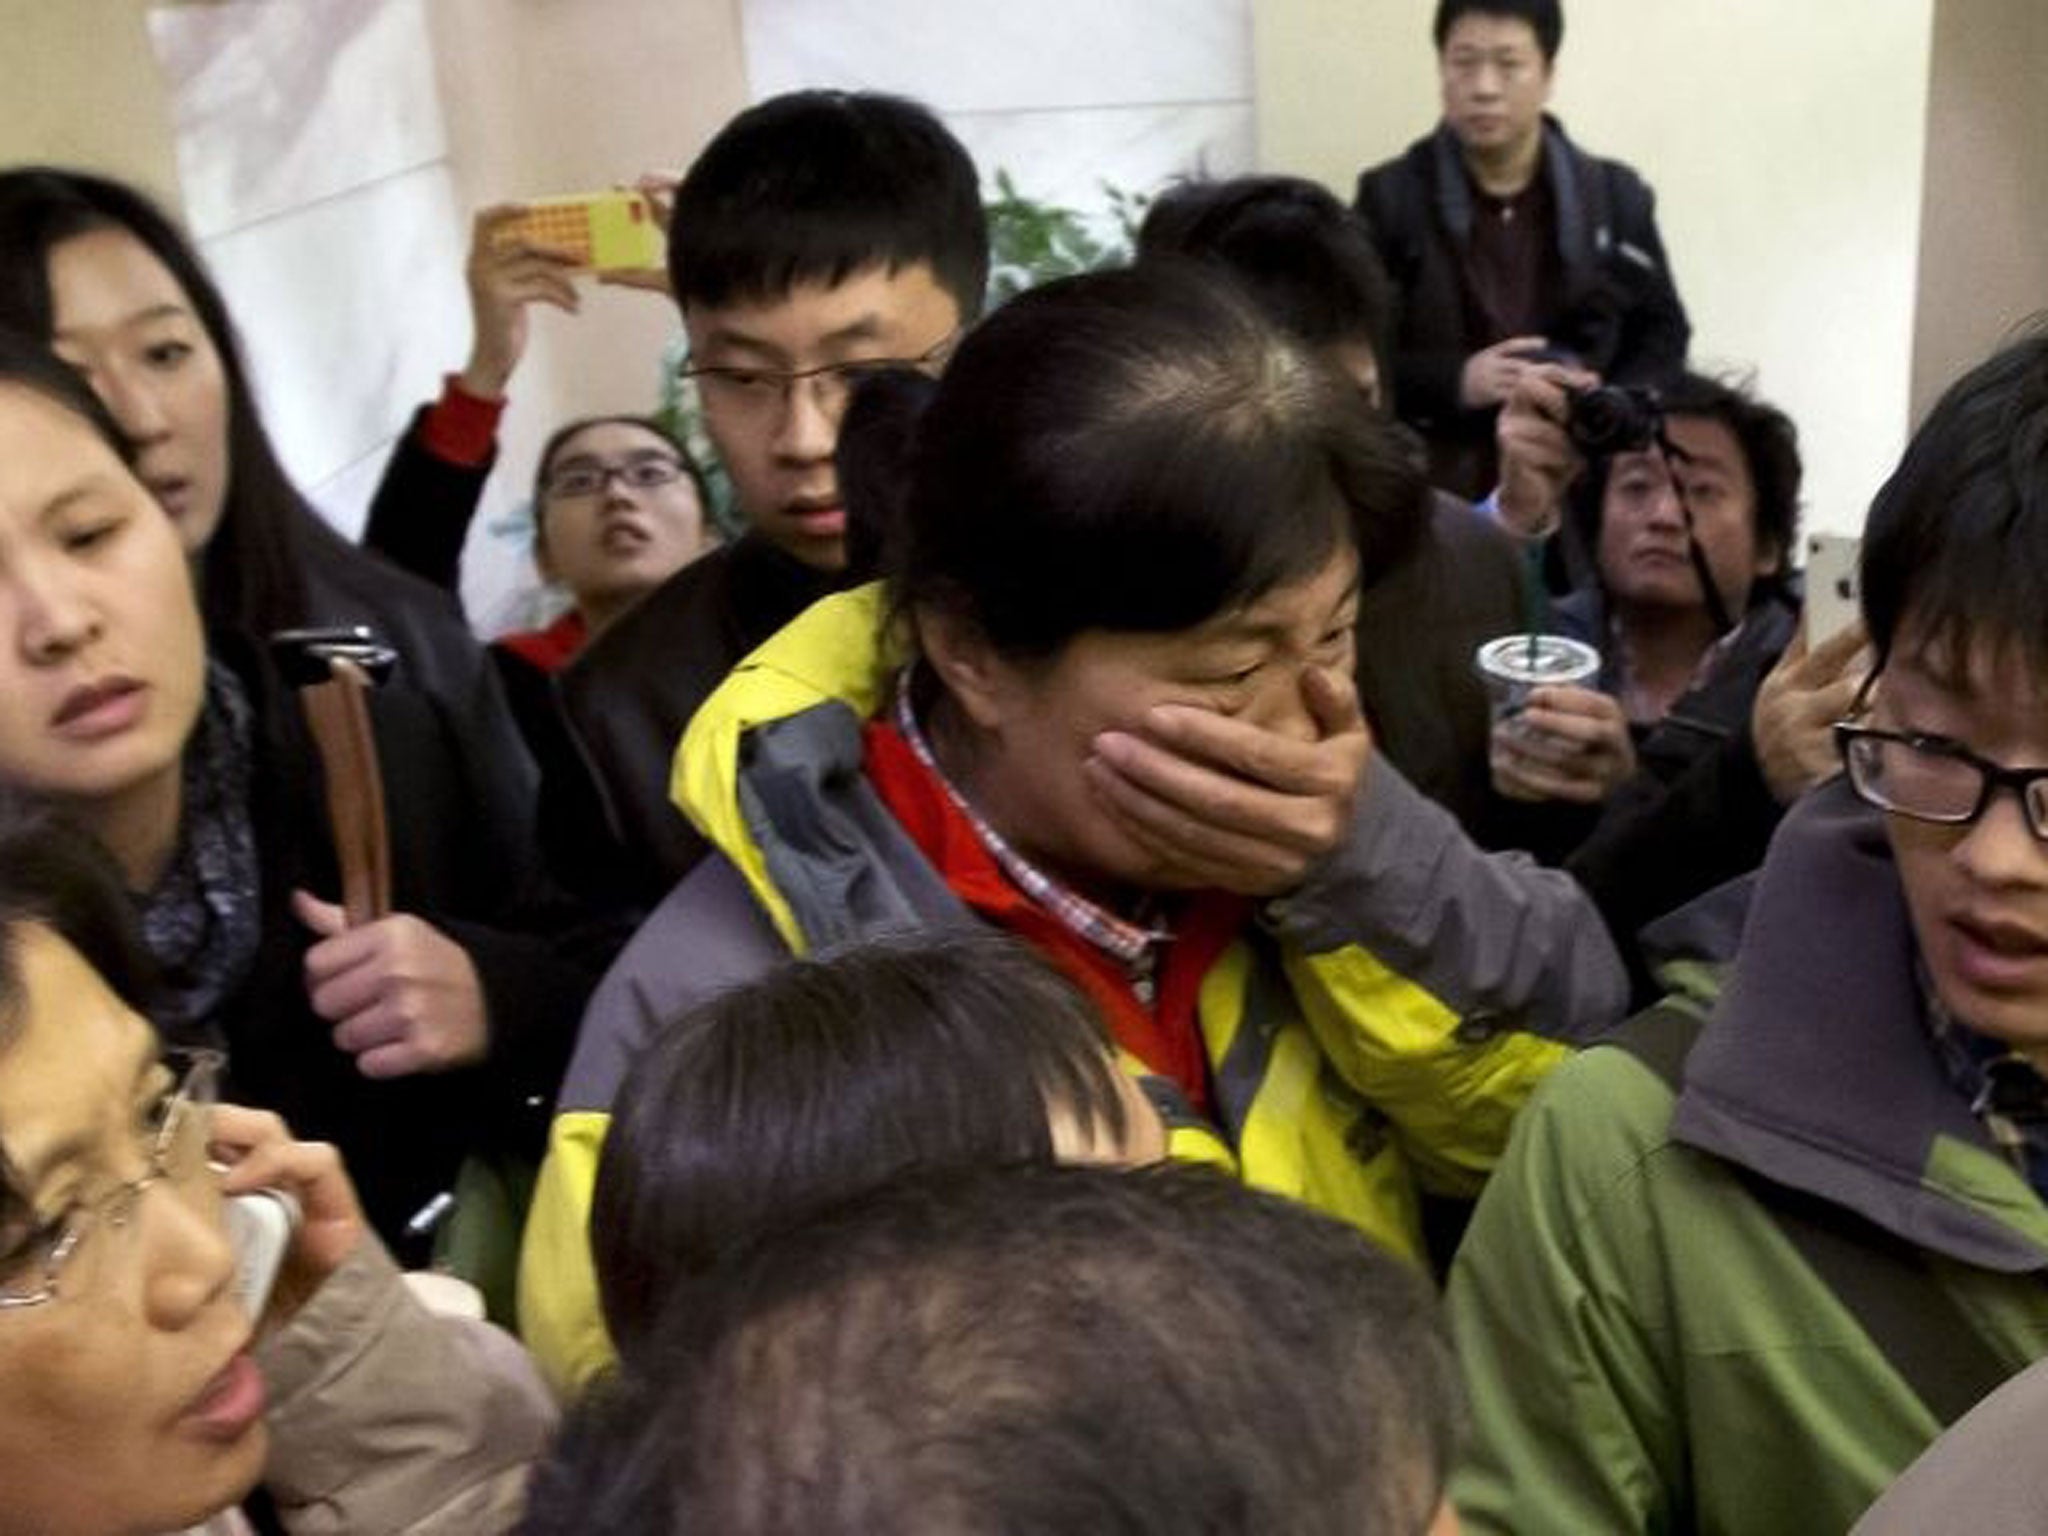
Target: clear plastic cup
x,y
1514,665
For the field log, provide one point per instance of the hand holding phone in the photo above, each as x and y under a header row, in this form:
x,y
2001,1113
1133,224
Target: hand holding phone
x,y
1834,597
260,1228
259,1156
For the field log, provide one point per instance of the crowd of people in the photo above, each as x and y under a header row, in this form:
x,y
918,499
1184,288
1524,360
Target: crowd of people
x,y
1242,904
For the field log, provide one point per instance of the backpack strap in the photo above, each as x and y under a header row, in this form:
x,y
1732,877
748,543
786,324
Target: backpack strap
x,y
1883,1280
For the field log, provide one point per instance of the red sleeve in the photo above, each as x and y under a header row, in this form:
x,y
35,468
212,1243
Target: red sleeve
x,y
460,428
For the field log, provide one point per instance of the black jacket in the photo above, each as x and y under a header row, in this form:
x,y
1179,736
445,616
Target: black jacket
x,y
1618,310
1419,631
460,806
630,695
1697,813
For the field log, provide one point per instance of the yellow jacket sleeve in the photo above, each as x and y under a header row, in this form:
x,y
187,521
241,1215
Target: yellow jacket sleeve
x,y
559,1315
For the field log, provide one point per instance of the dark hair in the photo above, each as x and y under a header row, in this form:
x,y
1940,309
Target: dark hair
x,y
1956,545
1306,260
56,875
1037,1350
813,186
252,576
29,363
824,1078
646,424
875,438
1770,447
1139,451
1545,18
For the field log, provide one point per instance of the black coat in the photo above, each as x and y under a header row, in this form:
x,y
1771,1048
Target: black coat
x,y
631,694
459,797
1618,310
1697,812
1420,627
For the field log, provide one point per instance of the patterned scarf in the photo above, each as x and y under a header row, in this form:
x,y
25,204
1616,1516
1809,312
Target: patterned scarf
x,y
201,921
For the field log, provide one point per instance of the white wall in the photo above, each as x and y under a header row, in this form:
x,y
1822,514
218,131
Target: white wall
x,y
1785,142
1064,94
329,154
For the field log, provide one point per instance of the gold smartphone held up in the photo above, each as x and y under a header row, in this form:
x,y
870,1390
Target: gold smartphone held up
x,y
597,231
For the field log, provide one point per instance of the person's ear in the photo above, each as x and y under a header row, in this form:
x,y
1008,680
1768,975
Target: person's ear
x,y
1770,558
975,677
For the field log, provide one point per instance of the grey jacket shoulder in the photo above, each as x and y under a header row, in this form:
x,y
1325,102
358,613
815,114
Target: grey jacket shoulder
x,y
707,935
1495,937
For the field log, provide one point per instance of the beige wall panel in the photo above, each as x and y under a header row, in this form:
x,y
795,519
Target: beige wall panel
x,y
79,86
1984,236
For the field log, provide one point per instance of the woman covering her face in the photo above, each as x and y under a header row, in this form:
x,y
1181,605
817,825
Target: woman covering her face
x,y
410,1040
1106,705
141,1397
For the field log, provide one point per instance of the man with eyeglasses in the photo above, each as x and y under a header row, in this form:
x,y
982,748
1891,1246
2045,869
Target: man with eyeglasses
x,y
1513,249
1742,1263
819,236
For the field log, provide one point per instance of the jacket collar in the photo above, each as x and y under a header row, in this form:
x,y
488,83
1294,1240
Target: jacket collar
x,y
1561,166
1817,1069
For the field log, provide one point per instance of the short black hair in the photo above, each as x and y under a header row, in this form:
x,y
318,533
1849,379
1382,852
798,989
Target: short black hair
x,y
824,1078
813,186
1545,18
546,461
1307,261
875,438
252,579
1138,451
1039,1350
1956,545
1770,447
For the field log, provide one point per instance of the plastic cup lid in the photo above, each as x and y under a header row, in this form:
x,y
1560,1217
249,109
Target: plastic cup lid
x,y
1536,659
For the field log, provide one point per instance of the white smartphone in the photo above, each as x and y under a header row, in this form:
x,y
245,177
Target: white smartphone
x,y
260,1228
1834,600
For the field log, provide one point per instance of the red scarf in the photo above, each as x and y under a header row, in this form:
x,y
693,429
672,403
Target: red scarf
x,y
1165,1036
549,649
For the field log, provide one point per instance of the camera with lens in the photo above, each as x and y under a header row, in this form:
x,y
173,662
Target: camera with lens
x,y
1614,418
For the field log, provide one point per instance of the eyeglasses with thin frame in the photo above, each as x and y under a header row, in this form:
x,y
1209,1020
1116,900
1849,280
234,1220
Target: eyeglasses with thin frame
x,y
759,392
1931,778
175,1134
575,481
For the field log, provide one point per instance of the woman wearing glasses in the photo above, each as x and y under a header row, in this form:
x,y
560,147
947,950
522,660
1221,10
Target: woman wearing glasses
x,y
618,508
141,1397
1737,1270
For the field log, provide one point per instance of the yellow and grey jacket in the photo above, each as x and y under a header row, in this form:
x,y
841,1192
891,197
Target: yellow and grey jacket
x,y
1373,1033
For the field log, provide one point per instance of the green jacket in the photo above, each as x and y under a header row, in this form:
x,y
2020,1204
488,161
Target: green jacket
x,y
1644,1347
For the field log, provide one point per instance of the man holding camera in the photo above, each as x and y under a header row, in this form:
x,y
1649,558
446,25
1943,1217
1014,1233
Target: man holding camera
x,y
1514,251
1709,714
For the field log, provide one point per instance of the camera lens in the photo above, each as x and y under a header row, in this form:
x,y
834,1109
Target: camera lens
x,y
1612,419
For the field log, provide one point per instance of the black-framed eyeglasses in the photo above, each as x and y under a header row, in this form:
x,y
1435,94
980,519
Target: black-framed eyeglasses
x,y
176,1131
1931,778
574,481
758,392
